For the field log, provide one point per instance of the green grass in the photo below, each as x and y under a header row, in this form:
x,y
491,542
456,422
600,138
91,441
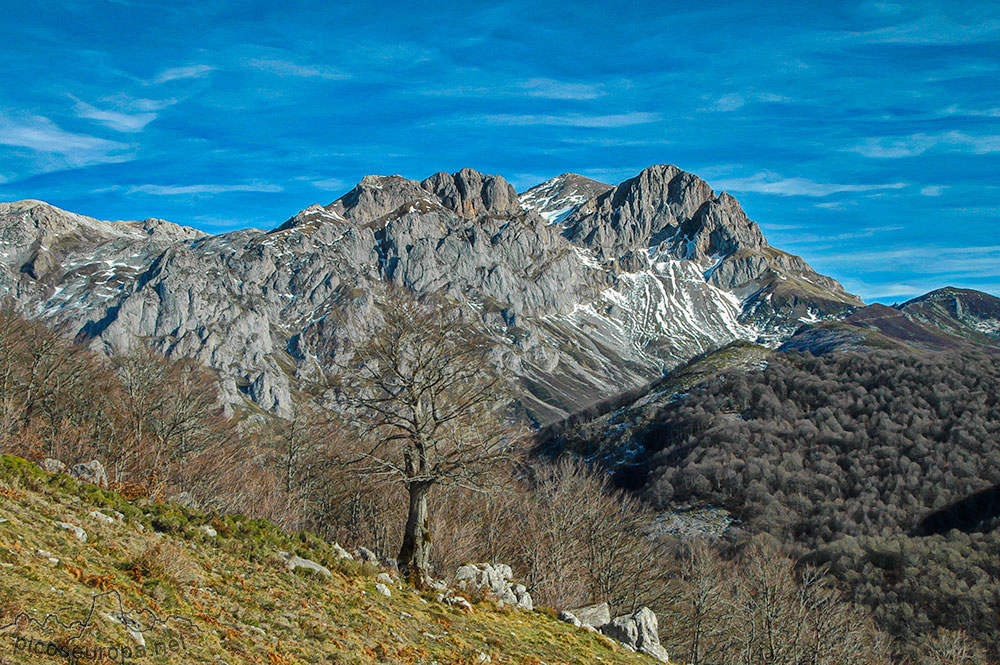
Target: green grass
x,y
230,598
736,354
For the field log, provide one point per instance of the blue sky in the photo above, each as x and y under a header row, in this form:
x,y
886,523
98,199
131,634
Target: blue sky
x,y
864,136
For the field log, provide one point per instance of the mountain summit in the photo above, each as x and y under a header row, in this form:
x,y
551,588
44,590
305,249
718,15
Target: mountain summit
x,y
588,289
558,198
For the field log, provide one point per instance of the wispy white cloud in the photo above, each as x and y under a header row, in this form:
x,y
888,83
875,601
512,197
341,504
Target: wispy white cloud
x,y
884,8
183,190
552,89
461,91
933,190
330,183
216,224
771,98
43,136
116,120
734,101
611,142
917,144
904,290
896,289
730,102
836,205
768,226
576,119
772,183
959,262
186,72
867,232
972,113
288,68
926,25
542,88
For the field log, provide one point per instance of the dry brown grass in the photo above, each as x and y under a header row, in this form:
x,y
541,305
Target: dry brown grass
x,y
165,561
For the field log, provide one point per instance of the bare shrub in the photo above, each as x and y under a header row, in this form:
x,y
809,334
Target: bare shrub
x,y
164,561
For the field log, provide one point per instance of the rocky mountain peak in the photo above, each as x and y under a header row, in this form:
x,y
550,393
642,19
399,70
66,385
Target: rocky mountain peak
x,y
659,205
468,193
945,319
471,193
720,227
167,231
48,220
957,310
11,207
36,239
596,293
953,295
559,197
375,196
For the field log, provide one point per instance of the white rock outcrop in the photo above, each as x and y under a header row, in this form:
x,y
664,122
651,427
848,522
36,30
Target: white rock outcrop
x,y
292,562
496,579
594,616
80,534
91,472
638,631
54,466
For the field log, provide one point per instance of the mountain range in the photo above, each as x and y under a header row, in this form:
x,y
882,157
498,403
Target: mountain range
x,y
590,289
650,328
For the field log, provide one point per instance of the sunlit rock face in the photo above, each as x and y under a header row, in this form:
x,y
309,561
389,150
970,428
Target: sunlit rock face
x,y
588,289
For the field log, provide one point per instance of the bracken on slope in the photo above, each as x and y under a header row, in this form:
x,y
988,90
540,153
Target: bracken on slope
x,y
198,588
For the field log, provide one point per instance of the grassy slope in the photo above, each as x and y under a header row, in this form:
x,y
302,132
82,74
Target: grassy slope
x,y
230,598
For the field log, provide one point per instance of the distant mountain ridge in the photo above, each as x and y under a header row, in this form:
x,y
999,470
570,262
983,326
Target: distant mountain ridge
x,y
589,289
945,319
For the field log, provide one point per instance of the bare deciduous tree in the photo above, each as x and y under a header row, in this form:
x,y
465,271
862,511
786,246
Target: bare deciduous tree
x,y
430,404
165,410
701,595
953,647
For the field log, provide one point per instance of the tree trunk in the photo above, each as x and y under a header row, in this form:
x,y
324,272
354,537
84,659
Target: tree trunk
x,y
415,554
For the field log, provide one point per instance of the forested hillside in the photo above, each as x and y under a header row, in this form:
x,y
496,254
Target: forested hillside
x,y
814,448
841,456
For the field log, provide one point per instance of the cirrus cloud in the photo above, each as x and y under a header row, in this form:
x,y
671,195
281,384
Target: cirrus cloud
x,y
116,120
186,72
576,119
58,147
772,183
917,144
288,68
185,190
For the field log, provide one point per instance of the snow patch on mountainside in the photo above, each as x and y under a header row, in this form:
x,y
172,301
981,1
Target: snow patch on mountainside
x,y
671,303
556,199
990,327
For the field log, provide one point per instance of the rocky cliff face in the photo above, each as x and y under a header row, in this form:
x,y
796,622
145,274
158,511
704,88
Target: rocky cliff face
x,y
39,244
667,214
589,289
